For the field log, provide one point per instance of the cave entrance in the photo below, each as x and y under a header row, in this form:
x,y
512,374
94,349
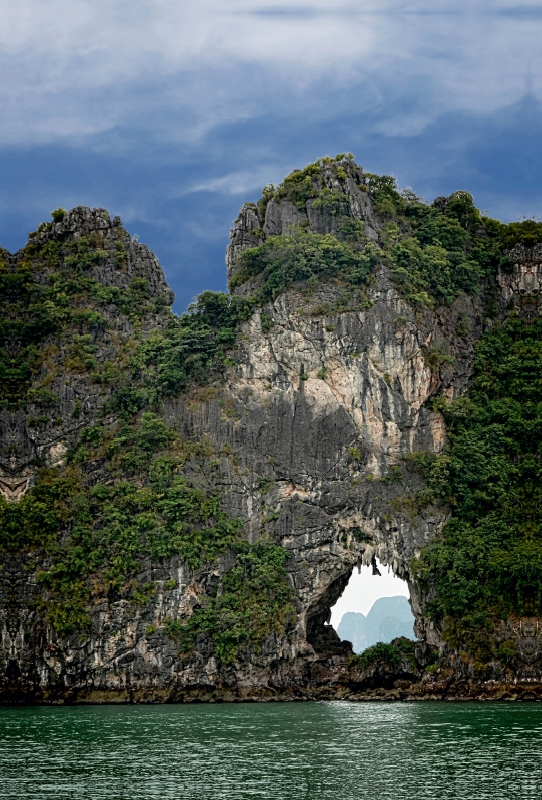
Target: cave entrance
x,y
373,608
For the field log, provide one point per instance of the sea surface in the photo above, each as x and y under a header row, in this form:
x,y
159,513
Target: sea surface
x,y
279,751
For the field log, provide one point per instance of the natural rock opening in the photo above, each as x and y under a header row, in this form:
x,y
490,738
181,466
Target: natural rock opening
x,y
361,607
320,634
373,608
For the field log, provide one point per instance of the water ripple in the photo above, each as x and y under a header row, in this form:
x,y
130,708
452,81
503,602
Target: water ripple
x,y
282,751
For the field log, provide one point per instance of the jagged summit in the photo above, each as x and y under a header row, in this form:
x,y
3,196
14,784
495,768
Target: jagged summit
x,y
318,198
75,295
116,259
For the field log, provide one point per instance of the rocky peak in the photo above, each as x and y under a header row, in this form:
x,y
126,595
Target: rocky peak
x,y
316,199
122,258
91,285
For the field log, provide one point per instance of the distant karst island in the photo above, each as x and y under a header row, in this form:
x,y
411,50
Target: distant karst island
x,y
388,618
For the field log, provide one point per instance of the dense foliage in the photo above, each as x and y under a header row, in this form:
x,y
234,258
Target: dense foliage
x,y
435,251
385,654
90,540
192,348
52,292
254,600
130,489
87,537
304,255
487,563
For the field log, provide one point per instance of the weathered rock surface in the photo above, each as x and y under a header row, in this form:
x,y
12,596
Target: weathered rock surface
x,y
319,412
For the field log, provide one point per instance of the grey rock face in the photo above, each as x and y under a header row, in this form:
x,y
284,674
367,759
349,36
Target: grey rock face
x,y
322,409
282,217
525,277
327,407
246,232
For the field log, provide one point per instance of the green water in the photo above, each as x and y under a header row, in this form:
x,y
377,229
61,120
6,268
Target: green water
x,y
321,751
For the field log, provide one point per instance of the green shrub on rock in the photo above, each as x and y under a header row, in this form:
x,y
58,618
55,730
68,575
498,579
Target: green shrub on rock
x,y
283,260
486,564
254,602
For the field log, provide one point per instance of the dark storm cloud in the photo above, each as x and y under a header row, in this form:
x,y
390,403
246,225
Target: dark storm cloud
x,y
526,13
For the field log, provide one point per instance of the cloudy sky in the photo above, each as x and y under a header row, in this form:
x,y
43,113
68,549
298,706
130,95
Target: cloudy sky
x,y
172,113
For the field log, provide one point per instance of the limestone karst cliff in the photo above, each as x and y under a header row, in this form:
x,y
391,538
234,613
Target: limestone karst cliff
x,y
185,498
